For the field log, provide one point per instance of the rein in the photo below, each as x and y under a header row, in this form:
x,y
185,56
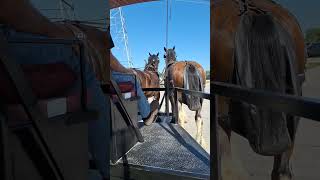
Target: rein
x,y
150,68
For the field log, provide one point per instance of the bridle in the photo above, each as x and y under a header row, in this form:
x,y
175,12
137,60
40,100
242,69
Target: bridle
x,y
150,67
171,60
246,5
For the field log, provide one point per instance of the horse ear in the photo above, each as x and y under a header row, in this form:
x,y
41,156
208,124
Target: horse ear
x,y
164,56
149,54
158,54
165,49
174,47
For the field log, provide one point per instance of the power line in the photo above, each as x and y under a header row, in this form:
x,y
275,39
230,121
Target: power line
x,y
204,2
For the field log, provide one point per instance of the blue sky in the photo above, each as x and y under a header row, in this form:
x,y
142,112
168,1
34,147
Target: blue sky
x,y
189,31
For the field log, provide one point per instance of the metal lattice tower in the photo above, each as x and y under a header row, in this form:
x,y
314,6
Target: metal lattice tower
x,y
120,36
67,11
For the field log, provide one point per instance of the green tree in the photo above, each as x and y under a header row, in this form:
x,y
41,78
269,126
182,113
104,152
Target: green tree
x,y
312,35
208,75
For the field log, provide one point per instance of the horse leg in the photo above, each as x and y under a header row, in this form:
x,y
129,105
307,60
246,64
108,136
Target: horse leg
x,y
181,114
172,102
199,135
282,169
199,124
231,166
157,96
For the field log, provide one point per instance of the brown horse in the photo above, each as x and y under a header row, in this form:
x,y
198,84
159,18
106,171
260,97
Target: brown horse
x,y
257,44
188,75
149,77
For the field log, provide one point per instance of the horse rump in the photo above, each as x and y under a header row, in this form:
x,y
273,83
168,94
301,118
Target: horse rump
x,y
260,63
192,81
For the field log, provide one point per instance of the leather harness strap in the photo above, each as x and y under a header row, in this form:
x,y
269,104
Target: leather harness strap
x,y
92,55
246,5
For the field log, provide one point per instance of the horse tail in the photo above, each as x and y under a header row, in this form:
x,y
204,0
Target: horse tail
x,y
192,80
261,62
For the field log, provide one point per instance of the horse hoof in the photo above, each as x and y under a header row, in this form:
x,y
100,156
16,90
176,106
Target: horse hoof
x,y
276,176
286,178
283,177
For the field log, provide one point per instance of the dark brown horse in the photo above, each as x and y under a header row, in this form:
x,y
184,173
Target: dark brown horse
x,y
149,77
188,75
257,44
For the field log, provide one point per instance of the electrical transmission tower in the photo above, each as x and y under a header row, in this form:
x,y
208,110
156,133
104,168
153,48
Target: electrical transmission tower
x,y
120,36
67,11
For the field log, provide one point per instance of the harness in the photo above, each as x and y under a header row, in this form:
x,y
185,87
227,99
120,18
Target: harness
x,y
92,54
246,5
150,67
167,68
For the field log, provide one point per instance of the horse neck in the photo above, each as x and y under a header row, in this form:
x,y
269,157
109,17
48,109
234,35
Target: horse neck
x,y
172,62
150,70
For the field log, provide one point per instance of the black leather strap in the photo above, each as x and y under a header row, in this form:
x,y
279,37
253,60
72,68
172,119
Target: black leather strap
x,y
111,44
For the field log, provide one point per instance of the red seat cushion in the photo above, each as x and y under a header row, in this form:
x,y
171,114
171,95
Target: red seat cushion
x,y
124,87
46,80
49,107
127,90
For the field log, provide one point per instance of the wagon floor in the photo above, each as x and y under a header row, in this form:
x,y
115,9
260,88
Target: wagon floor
x,y
169,149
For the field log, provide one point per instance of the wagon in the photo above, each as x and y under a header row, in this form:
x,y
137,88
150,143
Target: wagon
x,y
44,128
51,142
46,138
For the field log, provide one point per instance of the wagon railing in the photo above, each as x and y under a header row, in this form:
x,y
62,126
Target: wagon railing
x,y
28,100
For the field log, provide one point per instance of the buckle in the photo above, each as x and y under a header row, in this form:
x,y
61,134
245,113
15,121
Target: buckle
x,y
81,36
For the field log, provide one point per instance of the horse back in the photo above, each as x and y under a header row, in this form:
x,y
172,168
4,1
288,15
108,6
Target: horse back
x,y
290,23
148,79
226,19
176,72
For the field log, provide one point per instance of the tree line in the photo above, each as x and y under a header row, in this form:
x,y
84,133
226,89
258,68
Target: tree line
x,y
312,35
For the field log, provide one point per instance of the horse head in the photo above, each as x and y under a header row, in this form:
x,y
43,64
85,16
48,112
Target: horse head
x,y
170,55
153,62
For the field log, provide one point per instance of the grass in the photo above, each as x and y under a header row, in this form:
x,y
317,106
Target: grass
x,y
311,65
